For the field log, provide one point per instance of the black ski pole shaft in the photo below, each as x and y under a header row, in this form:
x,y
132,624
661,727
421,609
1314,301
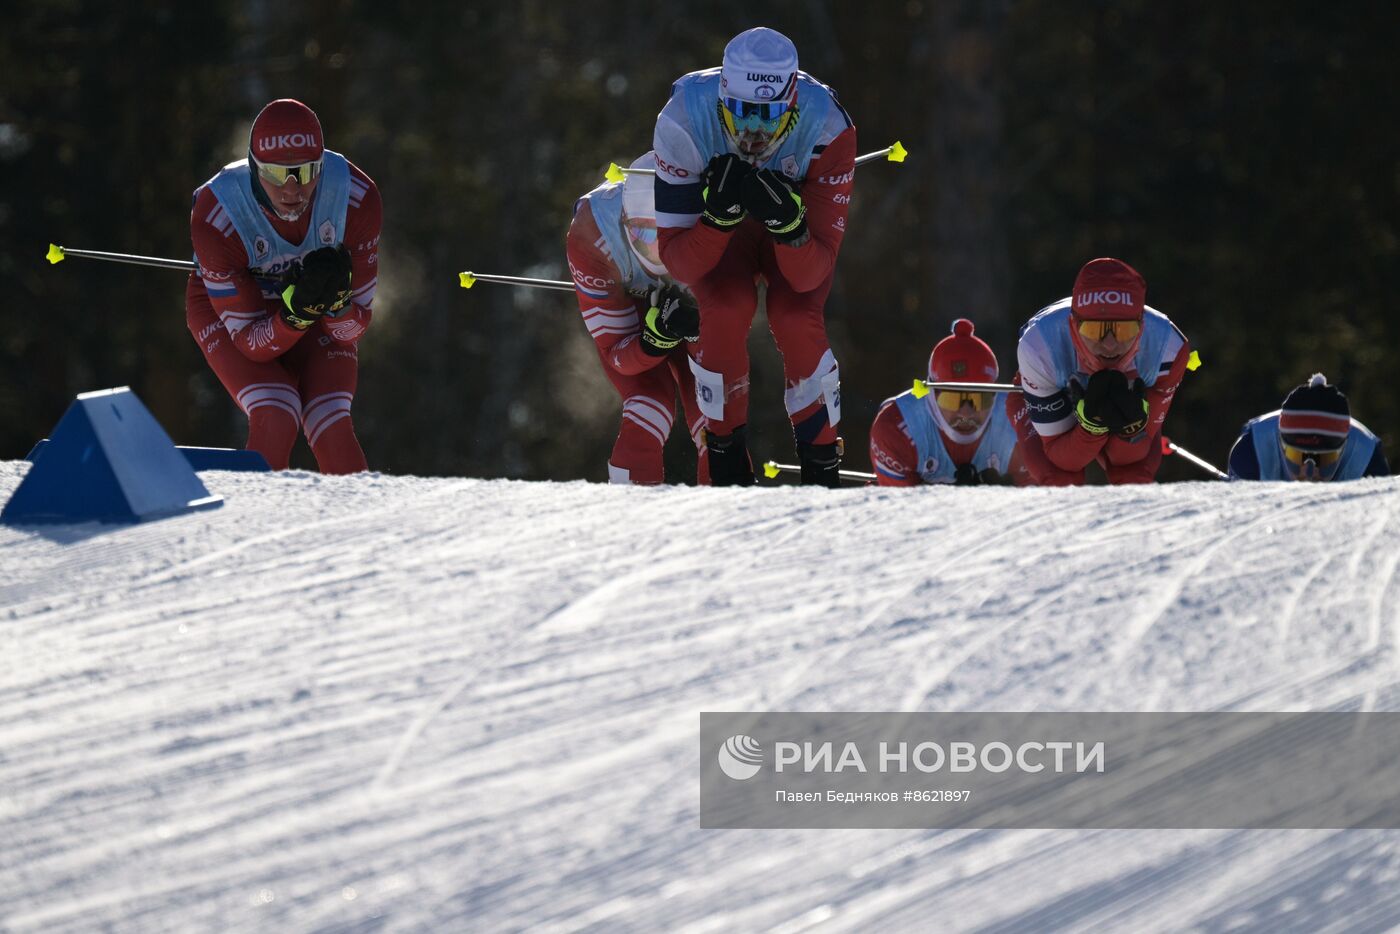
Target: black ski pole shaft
x,y
58,254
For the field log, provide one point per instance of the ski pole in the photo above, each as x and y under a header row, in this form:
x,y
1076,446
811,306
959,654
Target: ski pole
x,y
924,387
1171,447
771,469
58,254
892,153
469,279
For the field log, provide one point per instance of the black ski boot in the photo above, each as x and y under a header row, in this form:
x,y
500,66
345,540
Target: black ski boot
x,y
729,458
821,464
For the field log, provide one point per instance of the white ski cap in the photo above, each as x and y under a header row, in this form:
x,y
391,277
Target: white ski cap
x,y
760,64
639,190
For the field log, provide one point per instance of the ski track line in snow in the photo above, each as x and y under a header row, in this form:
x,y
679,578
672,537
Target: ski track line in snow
x,y
924,687
666,842
785,688
596,851
920,576
915,697
479,666
1116,903
1380,589
977,862
657,566
1121,903
420,723
277,589
1298,591
1136,630
993,871
169,574
1363,544
1306,890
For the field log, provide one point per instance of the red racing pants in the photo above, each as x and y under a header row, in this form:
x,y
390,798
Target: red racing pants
x,y
728,297
648,411
309,388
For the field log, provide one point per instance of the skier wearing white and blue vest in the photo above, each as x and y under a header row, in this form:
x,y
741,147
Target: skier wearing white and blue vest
x,y
754,171
1098,372
639,320
279,238
1311,437
949,435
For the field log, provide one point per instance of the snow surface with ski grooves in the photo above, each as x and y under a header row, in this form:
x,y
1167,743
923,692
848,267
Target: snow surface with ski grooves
x,y
393,703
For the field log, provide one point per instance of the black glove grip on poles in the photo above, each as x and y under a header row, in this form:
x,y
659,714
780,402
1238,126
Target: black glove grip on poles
x,y
1127,409
668,322
318,286
723,179
773,199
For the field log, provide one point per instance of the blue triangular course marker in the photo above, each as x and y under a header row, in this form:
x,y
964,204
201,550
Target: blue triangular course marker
x,y
199,458
107,460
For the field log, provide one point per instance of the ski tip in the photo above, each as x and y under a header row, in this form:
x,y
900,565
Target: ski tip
x,y
614,173
770,469
897,152
56,254
467,279
919,390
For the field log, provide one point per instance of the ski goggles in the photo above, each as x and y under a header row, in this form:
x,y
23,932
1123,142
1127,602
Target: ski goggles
x,y
754,116
952,400
278,174
1325,461
1124,330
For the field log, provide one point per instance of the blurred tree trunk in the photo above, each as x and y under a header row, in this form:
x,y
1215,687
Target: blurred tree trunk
x,y
970,265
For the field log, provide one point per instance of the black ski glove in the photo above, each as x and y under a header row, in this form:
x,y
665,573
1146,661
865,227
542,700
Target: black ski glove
x,y
1092,405
669,321
318,285
1127,410
966,475
723,179
772,198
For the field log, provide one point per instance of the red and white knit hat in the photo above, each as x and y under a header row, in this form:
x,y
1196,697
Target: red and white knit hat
x,y
962,357
1315,416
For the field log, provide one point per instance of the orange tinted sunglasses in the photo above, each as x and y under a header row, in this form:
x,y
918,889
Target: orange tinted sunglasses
x,y
1323,459
1124,330
951,400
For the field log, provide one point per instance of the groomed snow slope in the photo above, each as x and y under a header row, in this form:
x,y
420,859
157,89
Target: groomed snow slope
x,y
390,703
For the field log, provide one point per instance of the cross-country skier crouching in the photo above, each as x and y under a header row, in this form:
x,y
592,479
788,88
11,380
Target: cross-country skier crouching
x,y
755,167
1311,437
1098,372
638,318
950,435
279,238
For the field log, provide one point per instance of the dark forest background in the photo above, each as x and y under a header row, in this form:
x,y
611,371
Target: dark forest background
x,y
1244,157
